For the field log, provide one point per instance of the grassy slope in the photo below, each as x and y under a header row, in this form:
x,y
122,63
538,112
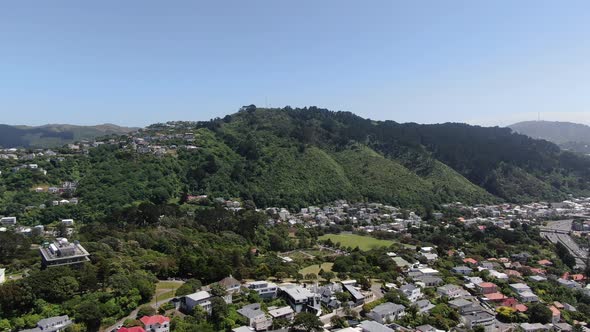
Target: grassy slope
x,y
447,182
382,179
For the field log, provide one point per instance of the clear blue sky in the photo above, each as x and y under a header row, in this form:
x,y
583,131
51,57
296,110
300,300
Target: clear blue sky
x,y
140,62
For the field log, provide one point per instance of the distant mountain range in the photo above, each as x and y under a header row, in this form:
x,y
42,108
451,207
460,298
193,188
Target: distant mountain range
x,y
53,135
569,136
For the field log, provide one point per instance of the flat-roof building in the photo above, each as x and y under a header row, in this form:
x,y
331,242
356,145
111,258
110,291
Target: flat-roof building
x,y
62,252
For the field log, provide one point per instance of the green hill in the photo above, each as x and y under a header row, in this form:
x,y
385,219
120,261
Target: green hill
x,y
300,157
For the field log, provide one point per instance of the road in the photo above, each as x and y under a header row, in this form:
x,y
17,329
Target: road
x,y
152,303
558,231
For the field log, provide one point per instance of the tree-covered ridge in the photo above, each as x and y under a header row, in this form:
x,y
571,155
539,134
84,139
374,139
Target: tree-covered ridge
x,y
453,157
300,157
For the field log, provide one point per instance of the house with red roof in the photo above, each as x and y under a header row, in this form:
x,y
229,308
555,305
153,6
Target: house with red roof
x,y
157,323
513,273
470,261
496,297
545,262
555,314
131,329
486,288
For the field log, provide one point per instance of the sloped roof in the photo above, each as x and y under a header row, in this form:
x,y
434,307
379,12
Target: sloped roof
x,y
157,319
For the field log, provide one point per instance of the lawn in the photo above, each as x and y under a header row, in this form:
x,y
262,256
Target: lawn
x,y
165,290
351,240
316,268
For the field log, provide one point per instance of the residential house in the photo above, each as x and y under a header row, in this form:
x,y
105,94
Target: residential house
x,y
568,283
450,291
157,323
257,318
68,222
424,306
464,270
52,324
427,328
357,297
412,292
428,281
524,292
266,290
562,327
2,276
498,275
301,299
131,329
481,318
555,315
387,312
536,327
486,288
372,326
281,313
201,298
8,221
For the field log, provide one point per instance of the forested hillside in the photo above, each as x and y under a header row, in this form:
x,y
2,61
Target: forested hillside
x,y
387,161
300,157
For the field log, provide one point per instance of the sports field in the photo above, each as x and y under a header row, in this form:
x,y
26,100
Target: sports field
x,y
352,240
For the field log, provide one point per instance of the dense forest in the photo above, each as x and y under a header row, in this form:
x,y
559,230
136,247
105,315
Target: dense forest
x,y
295,157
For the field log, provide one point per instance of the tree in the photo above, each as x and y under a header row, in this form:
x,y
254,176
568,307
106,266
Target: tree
x,y
307,322
365,283
311,276
338,322
281,275
146,310
189,287
328,275
219,310
218,290
539,313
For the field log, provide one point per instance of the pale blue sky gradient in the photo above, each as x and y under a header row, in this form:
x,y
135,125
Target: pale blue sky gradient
x,y
140,62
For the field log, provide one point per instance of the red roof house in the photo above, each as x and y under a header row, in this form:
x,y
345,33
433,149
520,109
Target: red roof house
x,y
131,329
470,261
157,323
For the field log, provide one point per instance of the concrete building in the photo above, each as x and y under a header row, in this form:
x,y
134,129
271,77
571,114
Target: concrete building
x,y
301,299
62,252
266,290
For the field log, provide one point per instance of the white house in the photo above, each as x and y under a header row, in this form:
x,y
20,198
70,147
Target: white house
x,y
412,292
450,291
8,221
2,276
202,298
68,222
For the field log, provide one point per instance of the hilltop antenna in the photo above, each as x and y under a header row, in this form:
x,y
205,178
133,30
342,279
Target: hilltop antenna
x,y
539,116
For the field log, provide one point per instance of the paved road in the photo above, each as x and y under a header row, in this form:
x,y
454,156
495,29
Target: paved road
x,y
557,231
152,303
